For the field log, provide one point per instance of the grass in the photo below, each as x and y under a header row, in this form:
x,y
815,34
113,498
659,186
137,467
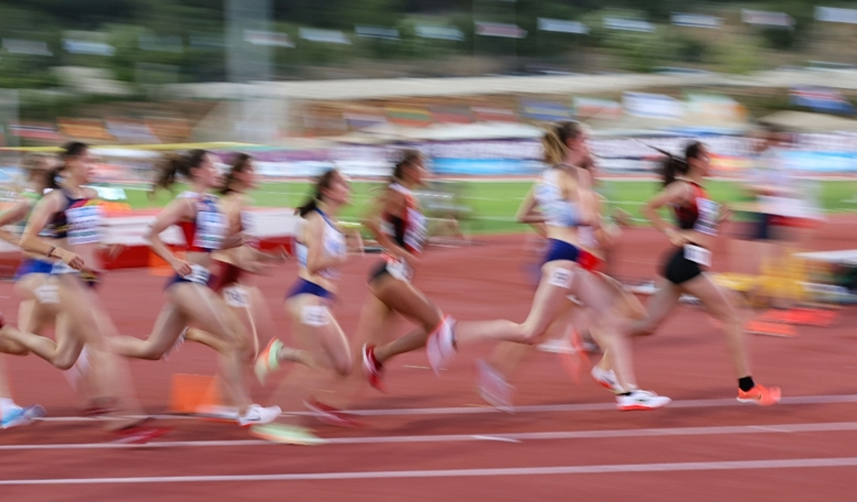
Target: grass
x,y
493,204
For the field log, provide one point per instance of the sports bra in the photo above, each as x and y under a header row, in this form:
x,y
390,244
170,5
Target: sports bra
x,y
409,231
701,215
333,244
558,211
80,222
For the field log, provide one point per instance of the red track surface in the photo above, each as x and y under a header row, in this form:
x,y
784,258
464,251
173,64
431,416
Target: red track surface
x,y
702,434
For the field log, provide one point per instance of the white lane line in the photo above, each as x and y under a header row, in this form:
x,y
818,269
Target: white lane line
x,y
514,437
546,408
795,463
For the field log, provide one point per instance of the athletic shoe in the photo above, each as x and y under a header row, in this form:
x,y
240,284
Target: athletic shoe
x,y
761,395
372,368
268,360
606,379
493,388
331,416
140,435
440,346
22,416
641,400
259,415
557,346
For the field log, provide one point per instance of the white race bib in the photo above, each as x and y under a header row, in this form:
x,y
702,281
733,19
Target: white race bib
x,y
709,212
210,229
84,224
400,270
60,267
47,294
198,275
235,296
697,254
314,315
561,278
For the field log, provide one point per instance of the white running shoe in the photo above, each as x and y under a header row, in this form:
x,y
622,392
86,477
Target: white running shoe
x,y
493,388
557,346
259,415
641,400
606,379
440,346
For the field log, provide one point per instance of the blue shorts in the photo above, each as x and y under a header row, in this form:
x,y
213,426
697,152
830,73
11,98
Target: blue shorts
x,y
304,287
33,266
561,250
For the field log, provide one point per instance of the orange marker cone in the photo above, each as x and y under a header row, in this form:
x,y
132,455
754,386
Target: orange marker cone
x,y
188,393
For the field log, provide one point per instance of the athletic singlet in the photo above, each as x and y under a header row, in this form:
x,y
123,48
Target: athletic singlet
x,y
700,215
80,222
411,230
206,233
333,244
558,211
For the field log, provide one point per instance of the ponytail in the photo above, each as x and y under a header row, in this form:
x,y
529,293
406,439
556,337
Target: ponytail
x,y
52,181
323,183
174,164
556,138
673,166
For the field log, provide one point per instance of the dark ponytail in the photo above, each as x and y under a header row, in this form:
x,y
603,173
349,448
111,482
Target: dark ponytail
x,y
174,164
239,163
408,158
52,180
673,166
324,182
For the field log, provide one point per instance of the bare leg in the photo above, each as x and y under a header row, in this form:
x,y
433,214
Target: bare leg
x,y
718,305
403,298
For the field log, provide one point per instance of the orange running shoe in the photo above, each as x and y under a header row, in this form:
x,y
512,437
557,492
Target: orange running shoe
x,y
761,395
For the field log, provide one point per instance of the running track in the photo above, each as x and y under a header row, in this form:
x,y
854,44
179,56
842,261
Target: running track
x,y
433,439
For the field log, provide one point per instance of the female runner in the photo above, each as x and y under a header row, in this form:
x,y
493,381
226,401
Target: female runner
x,y
697,217
321,248
190,300
236,267
567,203
400,228
74,217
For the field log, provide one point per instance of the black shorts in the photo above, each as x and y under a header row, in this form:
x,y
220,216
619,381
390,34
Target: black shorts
x,y
677,269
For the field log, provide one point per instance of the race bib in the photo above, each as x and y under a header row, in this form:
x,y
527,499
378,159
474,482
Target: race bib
x,y
47,294
60,267
709,212
198,275
561,278
210,229
236,296
697,254
314,315
84,224
400,270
